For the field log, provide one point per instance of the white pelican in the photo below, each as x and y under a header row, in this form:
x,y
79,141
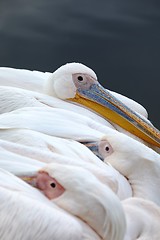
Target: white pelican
x,y
82,207
137,162
35,111
142,216
77,83
27,214
34,81
101,208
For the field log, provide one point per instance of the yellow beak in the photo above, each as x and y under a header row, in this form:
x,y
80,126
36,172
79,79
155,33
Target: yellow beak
x,y
104,103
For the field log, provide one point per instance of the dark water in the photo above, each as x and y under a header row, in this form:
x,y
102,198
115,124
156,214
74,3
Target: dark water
x,y
120,40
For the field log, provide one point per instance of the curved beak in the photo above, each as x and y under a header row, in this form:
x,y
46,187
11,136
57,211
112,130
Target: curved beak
x,y
104,103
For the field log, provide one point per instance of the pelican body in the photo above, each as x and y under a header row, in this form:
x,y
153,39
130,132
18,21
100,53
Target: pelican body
x,y
82,87
76,83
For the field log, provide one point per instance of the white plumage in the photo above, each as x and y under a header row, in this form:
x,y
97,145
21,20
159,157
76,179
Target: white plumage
x,y
42,133
138,163
26,214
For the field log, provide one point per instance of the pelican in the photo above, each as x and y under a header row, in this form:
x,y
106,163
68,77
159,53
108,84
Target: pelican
x,y
35,81
142,216
78,185
27,214
51,111
31,215
137,162
77,83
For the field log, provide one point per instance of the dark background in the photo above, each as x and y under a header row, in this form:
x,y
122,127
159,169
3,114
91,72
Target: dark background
x,y
118,39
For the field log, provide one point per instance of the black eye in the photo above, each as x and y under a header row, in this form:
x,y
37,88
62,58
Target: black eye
x,y
107,148
80,78
53,185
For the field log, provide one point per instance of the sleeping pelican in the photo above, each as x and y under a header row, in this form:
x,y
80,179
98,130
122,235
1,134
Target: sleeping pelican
x,y
81,188
35,81
52,181
142,216
90,216
27,214
77,83
137,162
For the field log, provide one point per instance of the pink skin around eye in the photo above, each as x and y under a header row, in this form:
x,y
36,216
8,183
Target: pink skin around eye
x,y
48,185
85,82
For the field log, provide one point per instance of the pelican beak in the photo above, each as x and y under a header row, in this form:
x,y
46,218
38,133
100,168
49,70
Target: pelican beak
x,y
104,103
31,180
94,147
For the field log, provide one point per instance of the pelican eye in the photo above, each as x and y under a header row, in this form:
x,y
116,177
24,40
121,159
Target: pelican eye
x,y
80,78
53,185
107,148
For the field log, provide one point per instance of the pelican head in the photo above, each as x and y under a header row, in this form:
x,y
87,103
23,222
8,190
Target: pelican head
x,y
80,193
77,83
134,160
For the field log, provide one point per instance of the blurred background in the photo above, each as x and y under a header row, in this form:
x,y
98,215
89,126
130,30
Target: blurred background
x,y
119,40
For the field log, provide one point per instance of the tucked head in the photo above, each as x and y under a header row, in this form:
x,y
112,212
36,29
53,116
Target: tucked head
x,y
124,153
77,83
80,193
65,81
